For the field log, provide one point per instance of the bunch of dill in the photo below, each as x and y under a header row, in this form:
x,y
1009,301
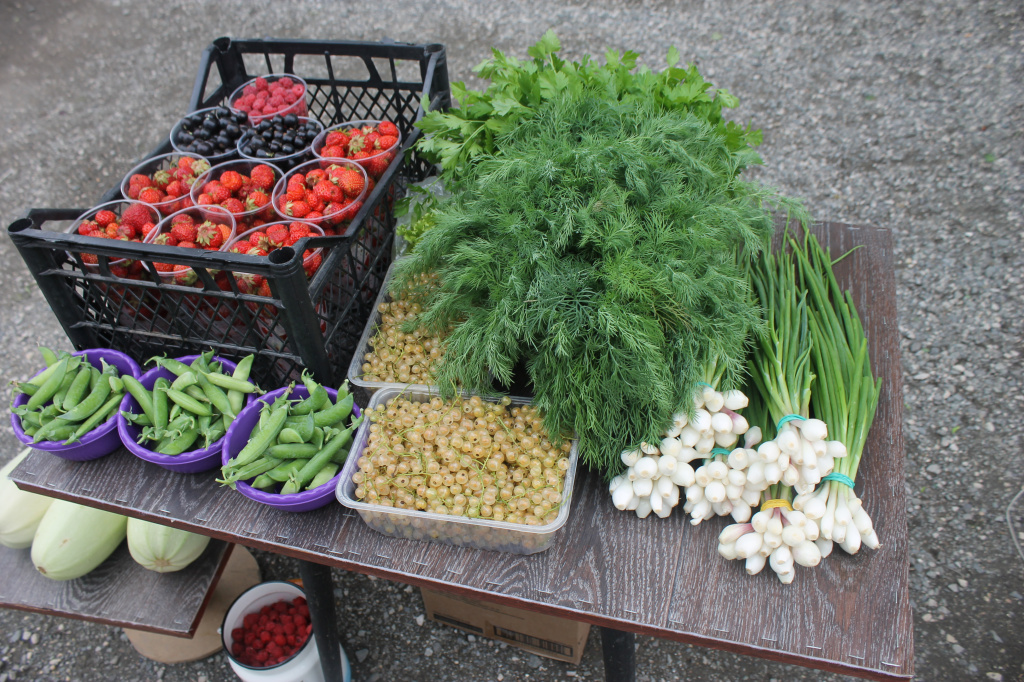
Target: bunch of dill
x,y
604,246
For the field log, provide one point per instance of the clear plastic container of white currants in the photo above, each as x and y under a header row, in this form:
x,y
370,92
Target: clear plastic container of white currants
x,y
464,531
356,375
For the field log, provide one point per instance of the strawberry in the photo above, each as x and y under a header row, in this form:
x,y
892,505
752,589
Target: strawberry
x,y
184,231
359,156
126,230
264,290
225,232
256,251
296,191
314,217
232,180
332,152
161,178
139,180
184,275
298,230
233,205
315,202
166,239
311,262
314,176
378,164
370,141
257,198
176,188
277,235
351,182
296,209
204,199
259,240
327,191
209,235
355,145
185,162
164,267
151,195
87,227
187,244
263,176
350,211
104,217
387,128
336,138
219,192
386,142
136,215
146,229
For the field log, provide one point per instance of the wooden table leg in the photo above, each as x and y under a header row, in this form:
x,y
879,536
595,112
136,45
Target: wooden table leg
x,y
619,649
319,588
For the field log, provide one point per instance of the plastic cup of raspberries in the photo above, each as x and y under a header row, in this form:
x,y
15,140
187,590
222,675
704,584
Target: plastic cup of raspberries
x,y
286,140
371,144
244,188
164,181
211,133
266,96
123,220
263,240
325,192
197,227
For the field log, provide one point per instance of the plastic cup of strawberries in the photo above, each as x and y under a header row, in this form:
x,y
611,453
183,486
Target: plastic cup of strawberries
x,y
244,188
124,220
263,240
164,181
266,96
197,227
325,192
370,143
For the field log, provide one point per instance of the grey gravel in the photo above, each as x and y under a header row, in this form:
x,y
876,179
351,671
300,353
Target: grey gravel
x,y
905,115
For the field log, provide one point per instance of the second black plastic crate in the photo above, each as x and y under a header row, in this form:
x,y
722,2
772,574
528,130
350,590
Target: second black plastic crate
x,y
314,324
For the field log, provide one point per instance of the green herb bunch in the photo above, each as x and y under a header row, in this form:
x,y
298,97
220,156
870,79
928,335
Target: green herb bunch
x,y
458,137
603,248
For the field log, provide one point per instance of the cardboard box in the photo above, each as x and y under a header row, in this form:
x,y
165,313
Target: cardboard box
x,y
549,636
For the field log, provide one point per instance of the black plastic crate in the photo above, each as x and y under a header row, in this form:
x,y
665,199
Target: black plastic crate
x,y
314,324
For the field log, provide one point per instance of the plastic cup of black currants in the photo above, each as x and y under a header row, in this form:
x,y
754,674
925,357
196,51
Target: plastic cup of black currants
x,y
211,133
286,140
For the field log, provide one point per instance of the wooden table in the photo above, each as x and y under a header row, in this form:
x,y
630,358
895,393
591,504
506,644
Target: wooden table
x,y
657,577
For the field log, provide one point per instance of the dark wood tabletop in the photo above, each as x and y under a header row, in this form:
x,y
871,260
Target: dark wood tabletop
x,y
661,577
118,592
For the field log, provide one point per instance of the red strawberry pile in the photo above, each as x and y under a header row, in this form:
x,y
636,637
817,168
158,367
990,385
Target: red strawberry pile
x,y
242,195
273,634
263,98
268,239
324,197
168,190
188,232
372,147
134,223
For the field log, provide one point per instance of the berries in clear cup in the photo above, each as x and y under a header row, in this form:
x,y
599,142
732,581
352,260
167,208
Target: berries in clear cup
x,y
164,181
242,187
124,220
211,133
371,144
325,192
266,96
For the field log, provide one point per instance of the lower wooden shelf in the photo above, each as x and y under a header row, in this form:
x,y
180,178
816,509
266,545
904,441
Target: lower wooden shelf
x,y
118,592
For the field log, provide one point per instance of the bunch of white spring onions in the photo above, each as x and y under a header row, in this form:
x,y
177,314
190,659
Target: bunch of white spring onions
x,y
655,473
777,535
799,455
840,515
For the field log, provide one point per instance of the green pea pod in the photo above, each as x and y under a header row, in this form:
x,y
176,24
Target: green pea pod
x,y
289,435
323,476
24,387
116,384
31,419
318,397
216,395
49,356
30,431
55,430
99,417
226,420
242,370
259,443
303,425
137,419
287,469
90,404
141,395
178,445
215,433
318,461
197,393
335,413
261,465
231,383
318,437
175,411
78,387
171,365
65,386
161,408
292,451
263,482
184,381
94,377
189,403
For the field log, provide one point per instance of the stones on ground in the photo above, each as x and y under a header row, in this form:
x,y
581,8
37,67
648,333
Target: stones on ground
x,y
362,654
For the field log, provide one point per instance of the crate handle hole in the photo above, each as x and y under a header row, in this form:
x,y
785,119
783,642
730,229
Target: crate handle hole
x,y
23,224
282,255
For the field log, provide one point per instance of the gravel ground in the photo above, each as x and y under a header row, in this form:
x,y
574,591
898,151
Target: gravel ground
x,y
905,115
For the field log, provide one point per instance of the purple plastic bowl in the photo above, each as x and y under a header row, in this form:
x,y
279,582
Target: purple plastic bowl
x,y
238,435
100,441
191,462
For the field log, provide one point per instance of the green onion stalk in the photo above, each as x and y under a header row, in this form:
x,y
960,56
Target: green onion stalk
x,y
845,397
781,373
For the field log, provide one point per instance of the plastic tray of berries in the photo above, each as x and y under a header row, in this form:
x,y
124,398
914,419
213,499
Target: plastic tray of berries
x,y
117,298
